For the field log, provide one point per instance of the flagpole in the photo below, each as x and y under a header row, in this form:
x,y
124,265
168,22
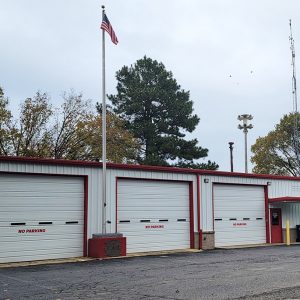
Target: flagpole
x,y
103,132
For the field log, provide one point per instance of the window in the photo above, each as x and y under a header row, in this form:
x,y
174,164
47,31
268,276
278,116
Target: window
x,y
275,218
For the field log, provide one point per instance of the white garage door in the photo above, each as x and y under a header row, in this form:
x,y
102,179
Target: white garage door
x,y
41,217
239,215
154,215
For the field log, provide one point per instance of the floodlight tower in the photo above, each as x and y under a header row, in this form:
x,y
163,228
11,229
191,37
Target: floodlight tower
x,y
245,126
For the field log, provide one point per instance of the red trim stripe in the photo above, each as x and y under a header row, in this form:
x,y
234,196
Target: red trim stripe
x,y
267,215
86,198
141,167
192,238
284,199
199,212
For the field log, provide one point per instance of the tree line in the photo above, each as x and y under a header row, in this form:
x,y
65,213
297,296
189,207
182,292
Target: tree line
x,y
146,124
71,131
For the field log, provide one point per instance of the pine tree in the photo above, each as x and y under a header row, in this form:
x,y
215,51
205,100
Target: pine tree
x,y
158,113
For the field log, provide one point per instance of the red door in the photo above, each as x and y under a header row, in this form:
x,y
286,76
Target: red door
x,y
276,225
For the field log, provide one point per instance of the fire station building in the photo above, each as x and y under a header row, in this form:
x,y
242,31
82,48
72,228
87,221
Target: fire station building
x,y
51,208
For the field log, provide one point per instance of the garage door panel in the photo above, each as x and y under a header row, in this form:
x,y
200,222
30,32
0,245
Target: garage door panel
x,y
249,228
254,204
155,227
36,190
36,222
228,190
40,254
247,235
151,214
151,187
40,216
37,209
24,232
227,214
239,213
137,244
235,207
172,235
151,208
155,246
28,245
172,205
33,200
149,202
257,204
145,200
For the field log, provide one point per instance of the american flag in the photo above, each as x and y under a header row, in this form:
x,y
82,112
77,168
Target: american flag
x,y
105,25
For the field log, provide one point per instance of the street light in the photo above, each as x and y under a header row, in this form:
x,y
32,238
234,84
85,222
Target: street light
x,y
245,126
231,155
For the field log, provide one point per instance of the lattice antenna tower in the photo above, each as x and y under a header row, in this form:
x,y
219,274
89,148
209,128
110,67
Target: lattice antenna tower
x,y
295,101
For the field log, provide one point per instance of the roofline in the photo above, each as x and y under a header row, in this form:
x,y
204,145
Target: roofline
x,y
284,199
50,161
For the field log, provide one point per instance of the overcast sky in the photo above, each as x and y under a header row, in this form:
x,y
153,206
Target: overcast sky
x,y
233,56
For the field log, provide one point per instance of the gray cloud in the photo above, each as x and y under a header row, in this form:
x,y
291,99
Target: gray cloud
x,y
56,45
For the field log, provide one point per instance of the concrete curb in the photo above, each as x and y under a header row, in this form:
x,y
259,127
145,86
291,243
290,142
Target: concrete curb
x,y
85,259
255,246
45,262
154,253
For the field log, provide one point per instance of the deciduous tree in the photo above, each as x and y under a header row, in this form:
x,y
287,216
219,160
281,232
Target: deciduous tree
x,y
122,147
5,125
32,134
74,112
276,152
72,131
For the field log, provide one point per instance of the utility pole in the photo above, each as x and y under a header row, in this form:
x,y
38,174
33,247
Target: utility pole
x,y
231,155
245,126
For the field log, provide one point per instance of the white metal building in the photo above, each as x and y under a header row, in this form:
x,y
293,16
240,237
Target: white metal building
x,y
50,208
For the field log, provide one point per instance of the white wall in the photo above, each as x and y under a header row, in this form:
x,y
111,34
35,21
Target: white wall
x,y
290,211
94,186
278,188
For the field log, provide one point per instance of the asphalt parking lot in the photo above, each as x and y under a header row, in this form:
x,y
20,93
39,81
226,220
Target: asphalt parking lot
x,y
252,273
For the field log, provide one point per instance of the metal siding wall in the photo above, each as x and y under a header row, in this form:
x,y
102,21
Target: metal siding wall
x,y
278,188
206,209
282,188
290,211
111,197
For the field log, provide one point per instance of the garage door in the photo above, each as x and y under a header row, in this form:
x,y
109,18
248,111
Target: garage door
x,y
154,215
41,217
239,215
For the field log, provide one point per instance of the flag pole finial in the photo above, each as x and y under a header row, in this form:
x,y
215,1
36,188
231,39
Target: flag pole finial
x,y
103,7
